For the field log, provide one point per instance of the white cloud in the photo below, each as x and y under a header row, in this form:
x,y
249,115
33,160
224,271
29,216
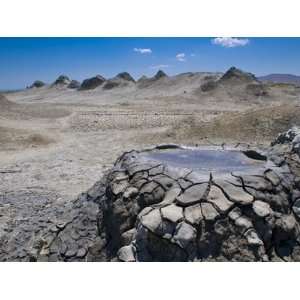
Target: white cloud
x,y
180,57
229,42
143,50
159,67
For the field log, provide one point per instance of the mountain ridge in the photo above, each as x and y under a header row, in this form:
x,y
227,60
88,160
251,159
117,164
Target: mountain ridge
x,y
281,78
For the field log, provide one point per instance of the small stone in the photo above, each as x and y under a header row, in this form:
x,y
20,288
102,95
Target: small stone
x,y
61,225
152,220
54,229
288,223
235,213
208,211
130,192
185,234
119,187
217,197
81,253
172,213
70,253
262,209
192,195
44,251
243,222
126,254
252,238
128,236
193,214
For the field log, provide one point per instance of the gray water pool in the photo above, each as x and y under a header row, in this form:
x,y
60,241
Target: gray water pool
x,y
210,160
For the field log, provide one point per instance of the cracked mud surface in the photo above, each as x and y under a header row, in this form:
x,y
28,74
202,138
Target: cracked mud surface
x,y
148,210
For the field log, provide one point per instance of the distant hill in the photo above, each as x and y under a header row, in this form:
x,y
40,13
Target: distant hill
x,y
281,78
236,83
5,91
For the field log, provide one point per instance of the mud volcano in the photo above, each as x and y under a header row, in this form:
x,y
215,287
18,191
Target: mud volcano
x,y
172,203
203,204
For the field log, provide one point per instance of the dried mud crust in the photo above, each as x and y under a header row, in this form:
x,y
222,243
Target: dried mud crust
x,y
148,211
49,231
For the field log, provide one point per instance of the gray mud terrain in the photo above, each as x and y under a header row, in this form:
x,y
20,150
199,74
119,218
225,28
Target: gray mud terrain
x,y
147,209
57,140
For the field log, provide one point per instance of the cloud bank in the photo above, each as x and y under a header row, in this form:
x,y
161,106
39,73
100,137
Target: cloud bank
x,y
229,42
180,57
159,67
143,50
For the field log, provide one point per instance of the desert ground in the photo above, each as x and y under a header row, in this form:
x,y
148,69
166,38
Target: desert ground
x,y
56,141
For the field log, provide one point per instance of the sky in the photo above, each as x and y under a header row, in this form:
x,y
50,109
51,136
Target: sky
x,y
24,60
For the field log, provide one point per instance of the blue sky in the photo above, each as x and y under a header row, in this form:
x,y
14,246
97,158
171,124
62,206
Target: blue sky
x,y
23,60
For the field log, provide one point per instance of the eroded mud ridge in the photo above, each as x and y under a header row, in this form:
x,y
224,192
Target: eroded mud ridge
x,y
152,208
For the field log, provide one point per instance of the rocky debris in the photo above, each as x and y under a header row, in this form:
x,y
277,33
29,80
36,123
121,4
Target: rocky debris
x,y
262,209
287,136
37,84
24,215
74,84
145,209
62,80
92,83
73,235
